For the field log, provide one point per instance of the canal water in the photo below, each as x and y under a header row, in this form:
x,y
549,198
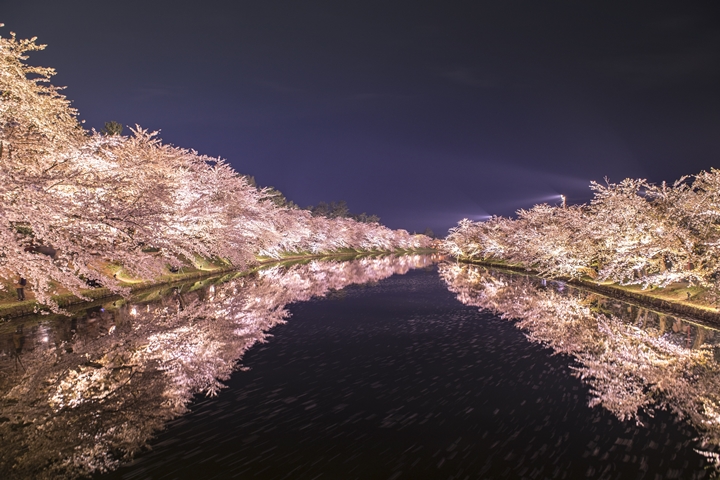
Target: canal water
x,y
387,367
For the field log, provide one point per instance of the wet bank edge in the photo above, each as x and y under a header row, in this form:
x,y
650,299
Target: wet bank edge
x,y
31,307
689,313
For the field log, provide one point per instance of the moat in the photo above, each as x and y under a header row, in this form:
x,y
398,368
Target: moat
x,y
377,367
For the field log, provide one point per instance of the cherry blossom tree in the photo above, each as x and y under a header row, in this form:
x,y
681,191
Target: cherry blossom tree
x,y
89,199
632,232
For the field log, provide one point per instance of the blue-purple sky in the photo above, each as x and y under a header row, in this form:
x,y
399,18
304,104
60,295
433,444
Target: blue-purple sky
x,y
420,112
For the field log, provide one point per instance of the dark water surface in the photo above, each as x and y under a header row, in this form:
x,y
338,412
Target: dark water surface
x,y
400,380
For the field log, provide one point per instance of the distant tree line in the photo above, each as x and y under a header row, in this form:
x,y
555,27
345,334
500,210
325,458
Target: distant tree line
x,y
340,210
337,209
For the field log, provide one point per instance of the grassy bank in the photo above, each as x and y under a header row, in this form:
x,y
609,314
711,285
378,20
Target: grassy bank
x,y
11,308
700,304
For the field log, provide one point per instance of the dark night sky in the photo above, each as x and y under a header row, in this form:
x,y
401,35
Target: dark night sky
x,y
422,113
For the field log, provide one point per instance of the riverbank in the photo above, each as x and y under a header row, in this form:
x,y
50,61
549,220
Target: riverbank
x,y
672,300
13,309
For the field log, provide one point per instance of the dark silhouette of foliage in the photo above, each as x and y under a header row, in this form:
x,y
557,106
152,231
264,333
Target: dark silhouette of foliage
x,y
277,197
112,128
340,210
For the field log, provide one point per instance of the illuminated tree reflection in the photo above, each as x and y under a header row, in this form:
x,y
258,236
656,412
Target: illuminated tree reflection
x,y
82,395
635,361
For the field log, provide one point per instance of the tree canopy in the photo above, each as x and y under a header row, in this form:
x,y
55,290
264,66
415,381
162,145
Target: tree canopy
x,y
632,232
102,197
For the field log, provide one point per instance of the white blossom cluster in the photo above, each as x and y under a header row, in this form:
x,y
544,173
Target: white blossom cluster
x,y
82,406
633,366
72,200
632,232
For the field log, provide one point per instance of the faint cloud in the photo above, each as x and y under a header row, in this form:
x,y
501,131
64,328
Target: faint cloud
x,y
366,96
678,49
661,69
464,76
363,97
278,87
151,93
674,24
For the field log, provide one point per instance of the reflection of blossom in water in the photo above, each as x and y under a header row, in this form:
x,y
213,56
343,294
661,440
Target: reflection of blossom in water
x,y
94,397
633,365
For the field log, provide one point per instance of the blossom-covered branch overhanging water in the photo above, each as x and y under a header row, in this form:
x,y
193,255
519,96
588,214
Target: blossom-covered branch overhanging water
x,y
96,199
